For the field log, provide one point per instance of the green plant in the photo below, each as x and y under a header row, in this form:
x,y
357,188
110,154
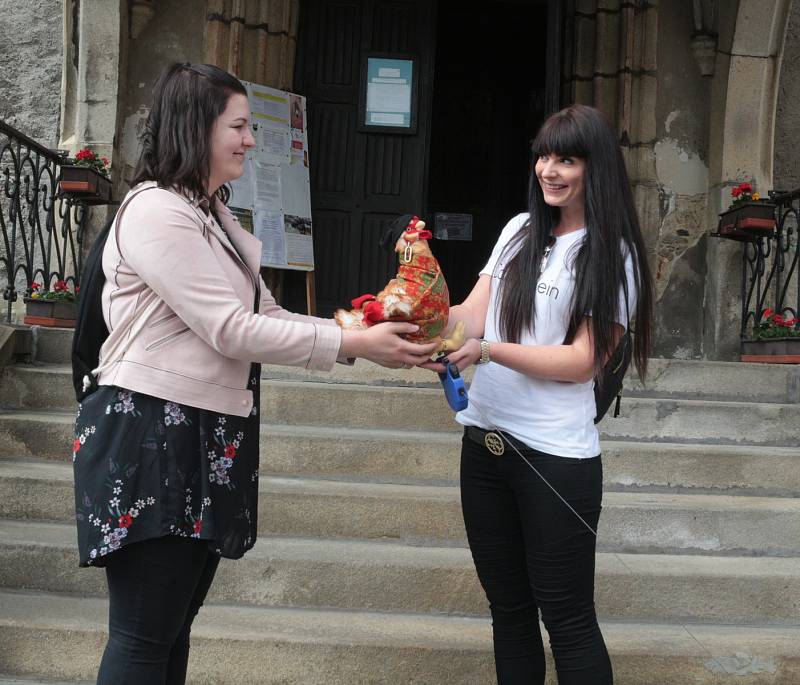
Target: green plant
x,y
85,157
774,325
59,293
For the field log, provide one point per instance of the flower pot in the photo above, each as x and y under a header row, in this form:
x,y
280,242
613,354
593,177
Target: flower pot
x,y
772,350
747,221
85,184
53,313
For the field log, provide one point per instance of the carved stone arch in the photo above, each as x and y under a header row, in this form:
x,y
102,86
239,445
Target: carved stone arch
x,y
742,127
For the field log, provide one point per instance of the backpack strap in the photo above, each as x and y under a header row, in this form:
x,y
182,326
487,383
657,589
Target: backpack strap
x,y
90,327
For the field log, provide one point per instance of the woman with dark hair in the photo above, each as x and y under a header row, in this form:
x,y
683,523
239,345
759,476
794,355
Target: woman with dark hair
x,y
166,449
563,284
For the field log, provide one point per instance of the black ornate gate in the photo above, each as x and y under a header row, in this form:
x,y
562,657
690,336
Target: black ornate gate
x,y
770,265
41,231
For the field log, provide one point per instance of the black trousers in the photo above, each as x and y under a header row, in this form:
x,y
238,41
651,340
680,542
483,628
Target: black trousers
x,y
532,555
156,587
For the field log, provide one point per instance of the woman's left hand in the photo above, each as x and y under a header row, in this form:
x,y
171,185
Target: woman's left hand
x,y
466,355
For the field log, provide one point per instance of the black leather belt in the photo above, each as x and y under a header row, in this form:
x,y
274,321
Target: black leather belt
x,y
478,435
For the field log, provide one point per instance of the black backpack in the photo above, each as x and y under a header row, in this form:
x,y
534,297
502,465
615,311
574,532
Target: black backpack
x,y
90,325
608,385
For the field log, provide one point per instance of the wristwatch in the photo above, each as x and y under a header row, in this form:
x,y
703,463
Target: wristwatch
x,y
484,358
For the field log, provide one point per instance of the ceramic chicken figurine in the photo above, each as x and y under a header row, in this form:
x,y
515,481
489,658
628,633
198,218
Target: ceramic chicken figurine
x,y
418,294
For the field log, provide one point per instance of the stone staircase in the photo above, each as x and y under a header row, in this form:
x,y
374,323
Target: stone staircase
x,y
361,573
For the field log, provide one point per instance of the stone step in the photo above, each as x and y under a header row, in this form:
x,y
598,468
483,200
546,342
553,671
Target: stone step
x,y
689,379
694,379
381,576
631,522
332,404
433,456
62,637
11,680
302,507
51,345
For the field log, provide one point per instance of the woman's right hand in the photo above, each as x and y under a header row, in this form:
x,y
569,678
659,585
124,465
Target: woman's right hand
x,y
384,345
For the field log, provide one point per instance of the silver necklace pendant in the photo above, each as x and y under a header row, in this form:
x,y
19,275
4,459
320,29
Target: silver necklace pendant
x,y
547,251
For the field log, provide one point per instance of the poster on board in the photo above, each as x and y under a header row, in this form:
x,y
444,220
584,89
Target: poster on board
x,y
273,196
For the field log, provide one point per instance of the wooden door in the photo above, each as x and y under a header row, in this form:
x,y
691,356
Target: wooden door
x,y
359,180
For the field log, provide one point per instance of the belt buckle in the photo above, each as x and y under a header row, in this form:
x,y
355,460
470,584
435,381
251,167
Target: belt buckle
x,y
494,443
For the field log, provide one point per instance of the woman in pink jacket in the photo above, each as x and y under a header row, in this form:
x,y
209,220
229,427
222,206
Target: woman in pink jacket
x,y
166,449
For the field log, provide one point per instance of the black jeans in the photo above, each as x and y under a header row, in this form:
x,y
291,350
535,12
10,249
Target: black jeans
x,y
156,587
533,554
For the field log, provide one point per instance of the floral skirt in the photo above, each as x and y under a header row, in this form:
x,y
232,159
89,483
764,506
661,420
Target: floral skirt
x,y
146,468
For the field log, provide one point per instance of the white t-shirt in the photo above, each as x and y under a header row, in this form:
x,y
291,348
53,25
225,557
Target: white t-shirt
x,y
555,417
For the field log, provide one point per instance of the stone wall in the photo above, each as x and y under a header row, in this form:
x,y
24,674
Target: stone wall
x,y
786,172
681,175
634,61
31,37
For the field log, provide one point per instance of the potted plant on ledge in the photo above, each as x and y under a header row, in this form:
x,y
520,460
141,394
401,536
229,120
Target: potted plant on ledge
x,y
748,216
776,339
55,308
86,178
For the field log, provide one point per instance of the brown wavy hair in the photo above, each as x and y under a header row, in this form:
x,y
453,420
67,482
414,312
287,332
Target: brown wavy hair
x,y
176,143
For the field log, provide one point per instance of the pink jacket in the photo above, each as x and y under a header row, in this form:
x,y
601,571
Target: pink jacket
x,y
178,301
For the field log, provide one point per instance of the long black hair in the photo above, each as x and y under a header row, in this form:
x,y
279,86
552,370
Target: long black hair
x,y
612,229
176,143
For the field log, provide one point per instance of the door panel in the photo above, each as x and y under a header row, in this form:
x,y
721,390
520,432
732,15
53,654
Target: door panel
x,y
333,254
363,180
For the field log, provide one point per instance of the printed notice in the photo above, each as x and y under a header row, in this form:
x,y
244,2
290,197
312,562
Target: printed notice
x,y
269,105
272,144
275,190
242,191
270,231
299,245
268,187
389,93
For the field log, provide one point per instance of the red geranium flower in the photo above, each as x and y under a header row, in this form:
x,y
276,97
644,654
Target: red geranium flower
x,y
769,311
736,192
76,445
198,526
60,285
745,187
35,286
778,319
86,154
230,451
125,521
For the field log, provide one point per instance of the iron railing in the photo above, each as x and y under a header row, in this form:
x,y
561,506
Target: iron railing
x,y
770,266
41,230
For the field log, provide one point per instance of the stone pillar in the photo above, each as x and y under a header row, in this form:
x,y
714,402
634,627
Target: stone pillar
x,y
742,132
91,75
95,45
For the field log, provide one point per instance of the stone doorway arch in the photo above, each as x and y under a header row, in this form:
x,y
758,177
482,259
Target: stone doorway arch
x,y
742,130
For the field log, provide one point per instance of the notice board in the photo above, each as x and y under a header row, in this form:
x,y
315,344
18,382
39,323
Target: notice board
x,y
273,196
